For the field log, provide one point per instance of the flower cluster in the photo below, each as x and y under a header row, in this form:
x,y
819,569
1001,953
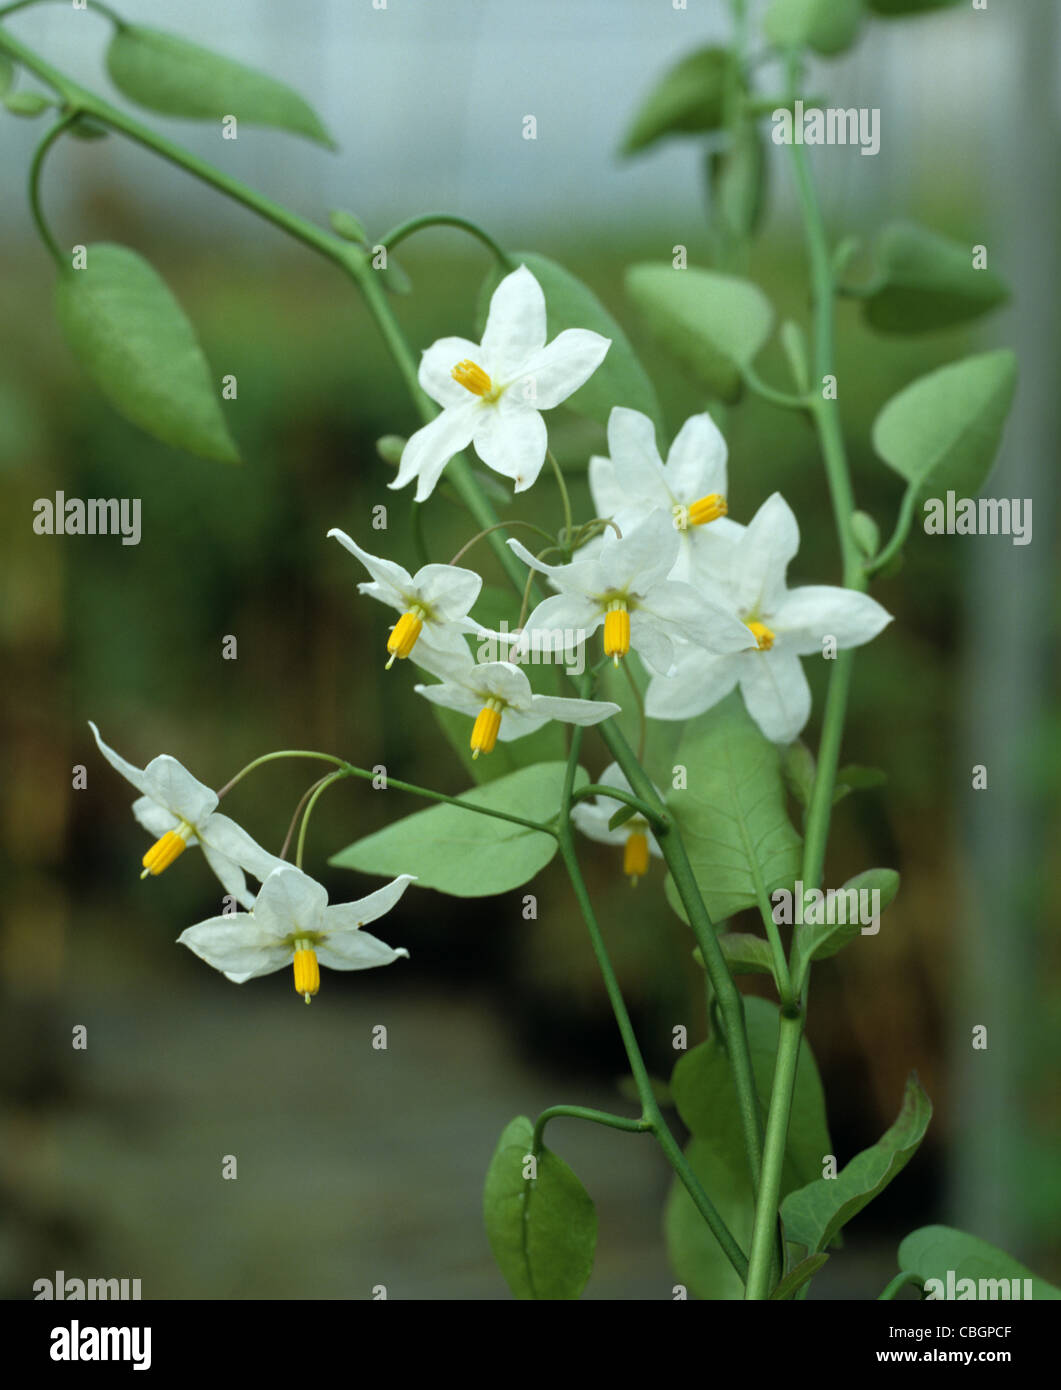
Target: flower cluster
x,y
662,571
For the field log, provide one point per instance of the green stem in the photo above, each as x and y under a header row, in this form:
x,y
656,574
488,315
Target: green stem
x,y
446,219
764,1231
34,189
322,787
349,770
899,535
500,526
771,393
659,821
565,500
580,1112
731,1005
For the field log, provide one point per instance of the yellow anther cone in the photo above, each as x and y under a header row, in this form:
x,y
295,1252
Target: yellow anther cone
x,y
403,636
307,973
163,852
635,856
616,633
472,377
708,508
484,733
764,638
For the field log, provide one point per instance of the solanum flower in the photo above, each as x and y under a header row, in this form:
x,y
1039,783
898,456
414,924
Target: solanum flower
x,y
786,624
433,602
624,585
691,485
181,811
634,835
499,697
292,924
492,393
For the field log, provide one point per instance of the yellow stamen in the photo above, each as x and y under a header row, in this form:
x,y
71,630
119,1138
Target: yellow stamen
x,y
307,971
164,851
708,508
404,633
635,856
616,631
487,723
764,638
472,377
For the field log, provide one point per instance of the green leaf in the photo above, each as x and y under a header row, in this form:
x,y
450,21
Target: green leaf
x,y
814,1214
620,379
866,533
797,1277
7,74
621,816
737,177
731,813
934,1251
854,778
465,853
28,104
712,324
542,1231
170,75
688,100
943,431
703,1090
898,9
798,770
827,26
133,339
925,281
819,940
745,954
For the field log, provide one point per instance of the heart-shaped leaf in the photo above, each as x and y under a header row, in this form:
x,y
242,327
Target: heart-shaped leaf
x,y
947,1256
827,26
690,98
925,281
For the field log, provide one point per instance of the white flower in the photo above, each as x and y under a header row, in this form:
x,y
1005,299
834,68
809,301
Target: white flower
x,y
624,585
291,923
500,698
634,834
492,392
691,485
434,602
181,811
787,624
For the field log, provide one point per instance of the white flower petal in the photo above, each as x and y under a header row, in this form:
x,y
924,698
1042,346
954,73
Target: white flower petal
x,y
592,819
642,558
223,835
130,773
776,693
649,639
450,696
511,438
154,817
579,577
236,944
436,370
700,617
697,683
815,611
447,589
357,950
762,556
515,325
517,723
610,499
230,875
635,457
696,464
173,786
564,365
350,916
392,582
567,615
289,902
573,711
427,452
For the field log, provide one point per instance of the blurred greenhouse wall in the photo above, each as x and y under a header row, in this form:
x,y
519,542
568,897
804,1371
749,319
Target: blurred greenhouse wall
x,y
357,1168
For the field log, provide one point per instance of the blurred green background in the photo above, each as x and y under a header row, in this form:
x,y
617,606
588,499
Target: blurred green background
x,y
357,1167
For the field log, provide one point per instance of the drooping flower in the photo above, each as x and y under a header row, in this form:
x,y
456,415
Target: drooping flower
x,y
498,696
635,835
433,603
291,923
691,485
492,393
786,624
624,586
181,811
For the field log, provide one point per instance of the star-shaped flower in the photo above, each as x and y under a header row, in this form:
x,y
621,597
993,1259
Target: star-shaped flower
x,y
624,585
691,485
181,811
634,835
433,602
291,923
492,393
499,697
786,624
